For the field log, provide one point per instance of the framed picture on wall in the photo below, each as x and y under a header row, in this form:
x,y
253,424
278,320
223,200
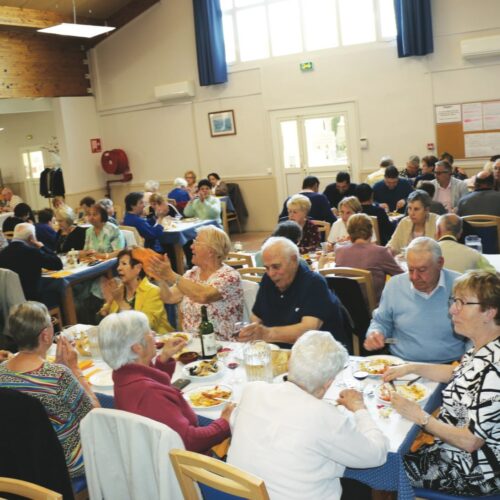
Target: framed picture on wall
x,y
222,123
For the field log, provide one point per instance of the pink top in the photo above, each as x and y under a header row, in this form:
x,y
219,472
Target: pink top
x,y
146,391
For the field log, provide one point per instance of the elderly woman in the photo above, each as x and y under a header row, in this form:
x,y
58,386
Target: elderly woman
x,y
180,193
316,441
150,187
134,291
298,207
219,187
141,387
210,282
192,186
70,236
107,204
363,254
420,221
60,386
205,206
463,460
103,240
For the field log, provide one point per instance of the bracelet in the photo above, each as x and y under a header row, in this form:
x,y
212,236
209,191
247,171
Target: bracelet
x,y
425,420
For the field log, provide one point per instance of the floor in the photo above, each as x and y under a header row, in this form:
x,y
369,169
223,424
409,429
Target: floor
x,y
251,242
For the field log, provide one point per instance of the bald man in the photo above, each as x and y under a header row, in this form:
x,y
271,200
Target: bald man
x,y
484,200
10,199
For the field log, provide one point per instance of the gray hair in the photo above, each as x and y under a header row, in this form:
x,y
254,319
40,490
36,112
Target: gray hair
x,y
152,186
26,322
289,248
217,240
421,196
414,159
106,203
180,182
118,332
316,359
425,244
24,231
450,223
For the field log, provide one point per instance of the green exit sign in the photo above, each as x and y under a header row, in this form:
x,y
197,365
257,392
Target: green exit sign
x,y
306,66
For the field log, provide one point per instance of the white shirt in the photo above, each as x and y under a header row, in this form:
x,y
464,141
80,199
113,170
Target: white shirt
x,y
339,232
15,200
299,444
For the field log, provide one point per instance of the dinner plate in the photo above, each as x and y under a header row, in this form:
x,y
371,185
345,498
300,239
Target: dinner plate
x,y
211,376
220,404
371,363
415,392
283,377
102,379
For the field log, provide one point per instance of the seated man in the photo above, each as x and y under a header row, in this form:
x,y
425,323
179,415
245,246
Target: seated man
x,y
391,193
86,203
414,309
292,299
412,170
320,206
341,188
22,213
44,229
378,175
458,257
448,189
10,199
299,444
484,200
26,256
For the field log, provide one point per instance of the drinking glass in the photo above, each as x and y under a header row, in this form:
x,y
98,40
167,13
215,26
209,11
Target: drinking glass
x,y
238,246
474,241
258,361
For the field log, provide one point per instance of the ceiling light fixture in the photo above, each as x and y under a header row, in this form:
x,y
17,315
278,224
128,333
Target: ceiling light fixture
x,y
78,30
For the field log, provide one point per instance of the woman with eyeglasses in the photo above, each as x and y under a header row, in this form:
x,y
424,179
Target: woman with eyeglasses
x,y
464,457
192,186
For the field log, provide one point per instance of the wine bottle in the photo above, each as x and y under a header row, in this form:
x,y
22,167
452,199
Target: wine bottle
x,y
207,336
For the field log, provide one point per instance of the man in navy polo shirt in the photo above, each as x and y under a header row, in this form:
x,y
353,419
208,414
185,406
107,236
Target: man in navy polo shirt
x,y
391,193
292,299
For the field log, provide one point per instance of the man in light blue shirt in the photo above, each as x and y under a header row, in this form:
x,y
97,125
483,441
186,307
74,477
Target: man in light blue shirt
x,y
414,309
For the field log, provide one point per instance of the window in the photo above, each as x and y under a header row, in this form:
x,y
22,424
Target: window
x,y
258,29
33,163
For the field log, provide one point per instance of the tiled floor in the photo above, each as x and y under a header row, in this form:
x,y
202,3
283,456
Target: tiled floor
x,y
251,241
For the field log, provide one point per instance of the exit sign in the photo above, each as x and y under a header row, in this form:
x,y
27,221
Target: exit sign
x,y
306,66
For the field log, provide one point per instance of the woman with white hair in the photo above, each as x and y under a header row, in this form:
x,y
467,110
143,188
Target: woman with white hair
x,y
180,193
150,187
298,207
141,387
299,444
210,282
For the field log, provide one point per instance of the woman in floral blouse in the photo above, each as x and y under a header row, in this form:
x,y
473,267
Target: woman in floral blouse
x,y
298,207
210,282
464,458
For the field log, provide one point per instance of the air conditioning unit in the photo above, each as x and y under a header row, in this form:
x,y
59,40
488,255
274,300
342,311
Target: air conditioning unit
x,y
473,48
174,91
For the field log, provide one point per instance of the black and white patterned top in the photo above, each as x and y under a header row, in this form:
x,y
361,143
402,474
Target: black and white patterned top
x,y
472,400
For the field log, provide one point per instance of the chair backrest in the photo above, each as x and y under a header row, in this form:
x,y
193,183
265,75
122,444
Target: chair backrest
x,y
250,290
11,294
323,228
238,259
376,229
192,468
223,211
27,490
126,456
139,240
252,273
118,212
487,227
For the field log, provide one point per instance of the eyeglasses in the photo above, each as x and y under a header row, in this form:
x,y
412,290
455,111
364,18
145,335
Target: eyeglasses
x,y
442,172
460,303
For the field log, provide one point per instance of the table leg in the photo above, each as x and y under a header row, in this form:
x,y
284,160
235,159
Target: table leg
x,y
179,258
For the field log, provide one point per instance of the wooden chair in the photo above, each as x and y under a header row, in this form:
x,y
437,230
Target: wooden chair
x,y
484,226
323,227
138,238
376,229
239,260
191,468
118,212
252,273
27,490
228,217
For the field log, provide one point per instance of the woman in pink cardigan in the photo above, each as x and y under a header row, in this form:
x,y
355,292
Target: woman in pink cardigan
x,y
143,387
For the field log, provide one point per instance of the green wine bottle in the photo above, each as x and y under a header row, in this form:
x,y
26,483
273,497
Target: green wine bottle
x,y
207,336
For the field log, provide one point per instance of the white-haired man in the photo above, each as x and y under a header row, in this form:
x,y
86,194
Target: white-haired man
x,y
10,200
413,310
26,256
292,299
299,444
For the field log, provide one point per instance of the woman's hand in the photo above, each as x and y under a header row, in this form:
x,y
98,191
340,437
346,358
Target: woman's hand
x,y
117,291
160,268
398,371
66,354
406,408
351,399
172,346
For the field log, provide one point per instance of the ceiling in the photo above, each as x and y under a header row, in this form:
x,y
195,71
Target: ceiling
x,y
90,9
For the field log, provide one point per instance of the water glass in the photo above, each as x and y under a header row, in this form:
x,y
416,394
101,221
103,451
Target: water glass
x,y
238,246
258,364
474,241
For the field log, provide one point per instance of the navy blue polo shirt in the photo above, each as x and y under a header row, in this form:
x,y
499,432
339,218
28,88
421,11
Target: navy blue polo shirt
x,y
382,194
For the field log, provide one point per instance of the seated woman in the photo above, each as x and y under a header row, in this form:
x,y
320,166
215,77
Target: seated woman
x,y
141,387
70,236
22,213
363,254
420,221
107,204
219,188
86,203
192,186
60,386
134,291
298,207
210,282
329,440
463,460
205,206
159,207
180,193
150,187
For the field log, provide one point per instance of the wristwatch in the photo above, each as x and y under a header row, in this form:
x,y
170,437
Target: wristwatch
x,y
425,419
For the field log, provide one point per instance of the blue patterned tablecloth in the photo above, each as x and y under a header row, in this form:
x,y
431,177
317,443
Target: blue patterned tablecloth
x,y
184,232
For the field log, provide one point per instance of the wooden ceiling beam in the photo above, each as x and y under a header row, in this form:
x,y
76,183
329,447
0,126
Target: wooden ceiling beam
x,y
30,18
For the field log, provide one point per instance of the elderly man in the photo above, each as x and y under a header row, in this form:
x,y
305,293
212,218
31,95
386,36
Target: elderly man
x,y
299,444
10,199
458,257
26,256
340,189
448,189
391,193
413,311
412,170
484,200
292,299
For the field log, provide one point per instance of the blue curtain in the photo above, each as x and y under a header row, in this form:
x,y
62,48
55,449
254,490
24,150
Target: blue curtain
x,y
414,24
212,67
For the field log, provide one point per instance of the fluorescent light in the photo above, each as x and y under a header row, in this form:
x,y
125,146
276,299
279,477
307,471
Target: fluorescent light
x,y
1,129
78,30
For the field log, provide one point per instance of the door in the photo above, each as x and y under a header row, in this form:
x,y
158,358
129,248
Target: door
x,y
33,164
317,141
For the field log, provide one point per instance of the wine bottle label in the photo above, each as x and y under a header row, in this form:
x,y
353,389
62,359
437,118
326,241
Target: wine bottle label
x,y
209,346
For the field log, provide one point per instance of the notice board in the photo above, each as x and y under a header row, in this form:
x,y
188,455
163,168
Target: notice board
x,y
468,130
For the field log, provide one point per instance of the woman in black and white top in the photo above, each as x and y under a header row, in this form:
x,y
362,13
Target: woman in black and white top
x,y
464,458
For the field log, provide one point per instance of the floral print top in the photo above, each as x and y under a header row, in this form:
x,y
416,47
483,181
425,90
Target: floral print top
x,y
310,238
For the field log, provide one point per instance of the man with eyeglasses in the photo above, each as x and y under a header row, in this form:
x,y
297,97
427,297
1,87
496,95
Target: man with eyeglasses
x,y
448,189
413,311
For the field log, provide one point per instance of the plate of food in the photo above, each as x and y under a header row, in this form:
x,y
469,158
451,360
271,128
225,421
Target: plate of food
x,y
160,339
415,392
209,396
204,370
102,379
376,366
